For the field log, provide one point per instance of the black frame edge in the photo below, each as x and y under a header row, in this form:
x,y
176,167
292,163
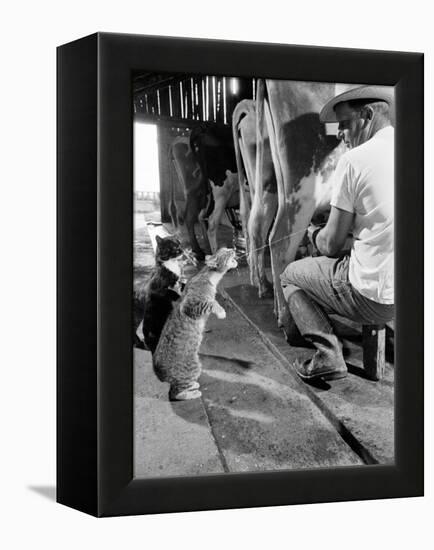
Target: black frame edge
x,y
77,470
120,493
409,281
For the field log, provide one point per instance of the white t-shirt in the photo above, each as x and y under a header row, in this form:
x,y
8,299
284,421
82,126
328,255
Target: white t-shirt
x,y
363,184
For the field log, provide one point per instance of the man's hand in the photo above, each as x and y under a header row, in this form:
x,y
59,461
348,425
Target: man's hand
x,y
331,239
312,232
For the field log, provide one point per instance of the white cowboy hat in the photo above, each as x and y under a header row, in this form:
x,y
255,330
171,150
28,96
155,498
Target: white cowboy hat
x,y
379,93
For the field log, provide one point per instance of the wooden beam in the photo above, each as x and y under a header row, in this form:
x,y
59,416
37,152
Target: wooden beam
x,y
168,121
192,100
197,87
181,99
225,101
374,350
211,97
219,100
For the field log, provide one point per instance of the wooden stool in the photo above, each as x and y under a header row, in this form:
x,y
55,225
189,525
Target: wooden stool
x,y
374,345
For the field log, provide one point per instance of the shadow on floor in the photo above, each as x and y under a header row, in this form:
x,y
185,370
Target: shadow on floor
x,y
46,491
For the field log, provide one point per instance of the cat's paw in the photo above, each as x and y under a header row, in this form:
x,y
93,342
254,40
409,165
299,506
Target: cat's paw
x,y
185,395
221,314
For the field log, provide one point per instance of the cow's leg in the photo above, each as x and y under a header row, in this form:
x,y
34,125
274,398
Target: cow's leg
x,y
191,215
255,244
241,156
260,221
302,159
244,193
284,242
244,210
172,208
294,211
214,221
292,219
265,221
262,212
203,222
176,217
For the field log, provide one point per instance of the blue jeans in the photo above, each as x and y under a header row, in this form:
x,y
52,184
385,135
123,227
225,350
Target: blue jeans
x,y
314,287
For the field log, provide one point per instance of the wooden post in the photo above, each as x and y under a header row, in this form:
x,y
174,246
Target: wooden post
x,y
153,103
203,99
225,102
211,98
197,98
176,103
186,98
374,340
200,107
192,99
181,98
219,100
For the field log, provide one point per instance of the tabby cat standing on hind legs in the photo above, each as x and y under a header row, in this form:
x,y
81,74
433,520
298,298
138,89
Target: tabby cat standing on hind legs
x,y
176,359
153,301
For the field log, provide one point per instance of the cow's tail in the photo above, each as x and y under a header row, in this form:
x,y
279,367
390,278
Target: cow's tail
x,y
243,108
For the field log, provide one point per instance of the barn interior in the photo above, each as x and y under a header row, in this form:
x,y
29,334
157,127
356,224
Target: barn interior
x,y
176,103
255,414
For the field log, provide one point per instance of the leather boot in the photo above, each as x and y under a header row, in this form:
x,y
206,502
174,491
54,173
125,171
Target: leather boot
x,y
314,325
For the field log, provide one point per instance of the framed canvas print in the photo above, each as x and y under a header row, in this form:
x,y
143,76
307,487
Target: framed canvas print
x,y
240,319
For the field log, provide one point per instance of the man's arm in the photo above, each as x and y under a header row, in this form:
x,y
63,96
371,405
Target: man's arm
x,y
331,239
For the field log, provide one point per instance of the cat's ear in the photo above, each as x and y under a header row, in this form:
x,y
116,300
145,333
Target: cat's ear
x,y
158,239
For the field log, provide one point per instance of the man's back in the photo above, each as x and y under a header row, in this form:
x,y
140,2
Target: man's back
x,y
364,185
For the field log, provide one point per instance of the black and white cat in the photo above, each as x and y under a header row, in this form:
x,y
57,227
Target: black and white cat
x,y
153,301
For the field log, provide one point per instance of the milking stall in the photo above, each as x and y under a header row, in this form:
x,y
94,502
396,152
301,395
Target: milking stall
x,y
222,161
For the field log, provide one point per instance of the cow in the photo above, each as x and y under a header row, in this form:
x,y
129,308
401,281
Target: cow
x,y
258,206
195,190
212,145
303,159
225,197
209,182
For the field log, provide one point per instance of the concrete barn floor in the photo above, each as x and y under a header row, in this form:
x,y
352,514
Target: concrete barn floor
x,y
255,414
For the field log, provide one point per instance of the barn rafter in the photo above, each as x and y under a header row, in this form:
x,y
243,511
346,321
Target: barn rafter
x,y
188,99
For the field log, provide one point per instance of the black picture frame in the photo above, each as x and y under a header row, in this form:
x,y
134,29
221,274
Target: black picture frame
x,y
95,262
